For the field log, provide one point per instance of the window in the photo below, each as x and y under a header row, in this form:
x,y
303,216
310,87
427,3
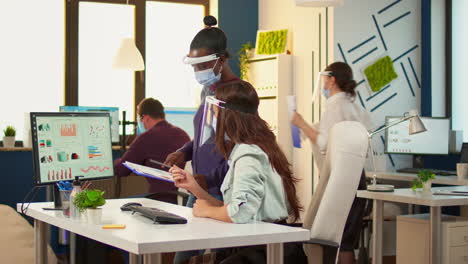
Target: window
x,y
459,63
170,28
101,29
32,60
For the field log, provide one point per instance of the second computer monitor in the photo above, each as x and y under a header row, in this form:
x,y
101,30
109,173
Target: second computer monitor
x,y
433,141
113,111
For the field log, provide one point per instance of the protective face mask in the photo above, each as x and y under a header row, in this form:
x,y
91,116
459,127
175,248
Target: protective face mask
x,y
214,123
326,92
207,77
141,128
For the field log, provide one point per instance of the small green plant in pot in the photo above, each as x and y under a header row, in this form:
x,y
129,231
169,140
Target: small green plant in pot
x,y
424,180
88,201
9,137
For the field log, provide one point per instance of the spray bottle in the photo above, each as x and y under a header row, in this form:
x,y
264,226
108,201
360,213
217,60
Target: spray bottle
x,y
74,212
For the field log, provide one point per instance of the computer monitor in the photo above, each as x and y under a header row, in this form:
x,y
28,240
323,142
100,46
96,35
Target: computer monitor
x,y
433,141
181,117
113,111
66,145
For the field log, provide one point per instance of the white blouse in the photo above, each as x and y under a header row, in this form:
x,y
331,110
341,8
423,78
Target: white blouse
x,y
340,107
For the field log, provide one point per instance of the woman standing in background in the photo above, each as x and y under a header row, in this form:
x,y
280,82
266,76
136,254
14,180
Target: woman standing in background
x,y
340,90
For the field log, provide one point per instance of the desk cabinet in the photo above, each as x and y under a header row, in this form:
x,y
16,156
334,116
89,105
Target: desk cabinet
x,y
413,239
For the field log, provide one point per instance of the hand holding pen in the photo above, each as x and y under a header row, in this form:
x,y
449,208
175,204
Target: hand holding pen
x,y
160,164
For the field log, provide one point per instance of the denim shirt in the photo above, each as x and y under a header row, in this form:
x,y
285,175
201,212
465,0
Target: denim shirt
x,y
252,189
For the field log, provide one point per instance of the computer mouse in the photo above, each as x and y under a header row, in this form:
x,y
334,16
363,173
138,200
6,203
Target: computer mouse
x,y
127,206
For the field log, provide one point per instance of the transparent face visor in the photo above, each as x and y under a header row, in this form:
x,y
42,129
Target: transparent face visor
x,y
320,84
208,125
192,82
197,60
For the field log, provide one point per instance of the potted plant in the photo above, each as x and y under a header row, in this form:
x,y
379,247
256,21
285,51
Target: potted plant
x,y
88,201
423,180
9,137
245,53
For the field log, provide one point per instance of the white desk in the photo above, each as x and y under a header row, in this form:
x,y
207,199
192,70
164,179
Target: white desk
x,y
143,238
435,202
397,176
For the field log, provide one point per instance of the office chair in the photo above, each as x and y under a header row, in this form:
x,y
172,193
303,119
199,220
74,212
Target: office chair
x,y
339,179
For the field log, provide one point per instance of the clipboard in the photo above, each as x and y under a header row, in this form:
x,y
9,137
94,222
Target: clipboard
x,y
149,172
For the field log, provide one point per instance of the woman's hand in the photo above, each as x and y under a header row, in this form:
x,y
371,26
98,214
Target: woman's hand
x,y
206,208
202,208
174,158
184,180
298,120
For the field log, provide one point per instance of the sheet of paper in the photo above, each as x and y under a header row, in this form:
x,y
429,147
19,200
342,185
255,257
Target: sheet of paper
x,y
295,131
148,171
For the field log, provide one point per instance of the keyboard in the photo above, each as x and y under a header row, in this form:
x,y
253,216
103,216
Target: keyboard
x,y
435,171
158,215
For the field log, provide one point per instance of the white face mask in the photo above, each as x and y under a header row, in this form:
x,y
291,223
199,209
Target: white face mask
x,y
214,123
207,77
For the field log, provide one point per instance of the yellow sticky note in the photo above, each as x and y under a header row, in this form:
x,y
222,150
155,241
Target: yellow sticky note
x,y
114,226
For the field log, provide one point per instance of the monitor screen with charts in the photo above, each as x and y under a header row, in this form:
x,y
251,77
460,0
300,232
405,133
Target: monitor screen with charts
x,y
113,111
66,145
433,141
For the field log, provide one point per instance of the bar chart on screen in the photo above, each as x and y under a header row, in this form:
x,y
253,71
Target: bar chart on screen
x,y
68,130
93,152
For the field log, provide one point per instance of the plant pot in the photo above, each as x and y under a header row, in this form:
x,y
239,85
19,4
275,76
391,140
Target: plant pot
x,y
9,142
94,216
427,186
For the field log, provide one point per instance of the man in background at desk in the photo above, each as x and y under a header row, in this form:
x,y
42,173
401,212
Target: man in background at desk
x,y
158,139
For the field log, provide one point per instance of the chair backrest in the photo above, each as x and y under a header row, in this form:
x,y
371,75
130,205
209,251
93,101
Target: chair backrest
x,y
339,179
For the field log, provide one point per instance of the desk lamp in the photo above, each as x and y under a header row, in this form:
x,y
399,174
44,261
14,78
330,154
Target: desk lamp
x,y
415,126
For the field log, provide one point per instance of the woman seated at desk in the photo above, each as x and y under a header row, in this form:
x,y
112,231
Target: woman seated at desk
x,y
259,184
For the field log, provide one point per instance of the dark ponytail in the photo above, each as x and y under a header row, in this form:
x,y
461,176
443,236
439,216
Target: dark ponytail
x,y
211,38
344,77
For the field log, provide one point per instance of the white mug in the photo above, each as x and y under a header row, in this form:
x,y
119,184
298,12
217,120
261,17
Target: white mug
x,y
462,171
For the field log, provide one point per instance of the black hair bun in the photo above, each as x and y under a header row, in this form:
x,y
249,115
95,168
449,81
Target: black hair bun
x,y
210,21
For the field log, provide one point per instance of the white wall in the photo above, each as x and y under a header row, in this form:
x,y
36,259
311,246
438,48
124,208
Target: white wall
x,y
354,23
348,25
438,68
459,75
304,44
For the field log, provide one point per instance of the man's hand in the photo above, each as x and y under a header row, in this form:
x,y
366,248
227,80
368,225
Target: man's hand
x,y
175,158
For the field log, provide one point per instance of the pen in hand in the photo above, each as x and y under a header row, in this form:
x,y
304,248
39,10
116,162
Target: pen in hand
x,y
160,163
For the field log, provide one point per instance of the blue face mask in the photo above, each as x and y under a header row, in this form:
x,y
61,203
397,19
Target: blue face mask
x,y
326,93
214,123
207,77
141,128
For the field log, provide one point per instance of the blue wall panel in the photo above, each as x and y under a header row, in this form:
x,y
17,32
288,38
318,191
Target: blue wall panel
x,y
239,20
